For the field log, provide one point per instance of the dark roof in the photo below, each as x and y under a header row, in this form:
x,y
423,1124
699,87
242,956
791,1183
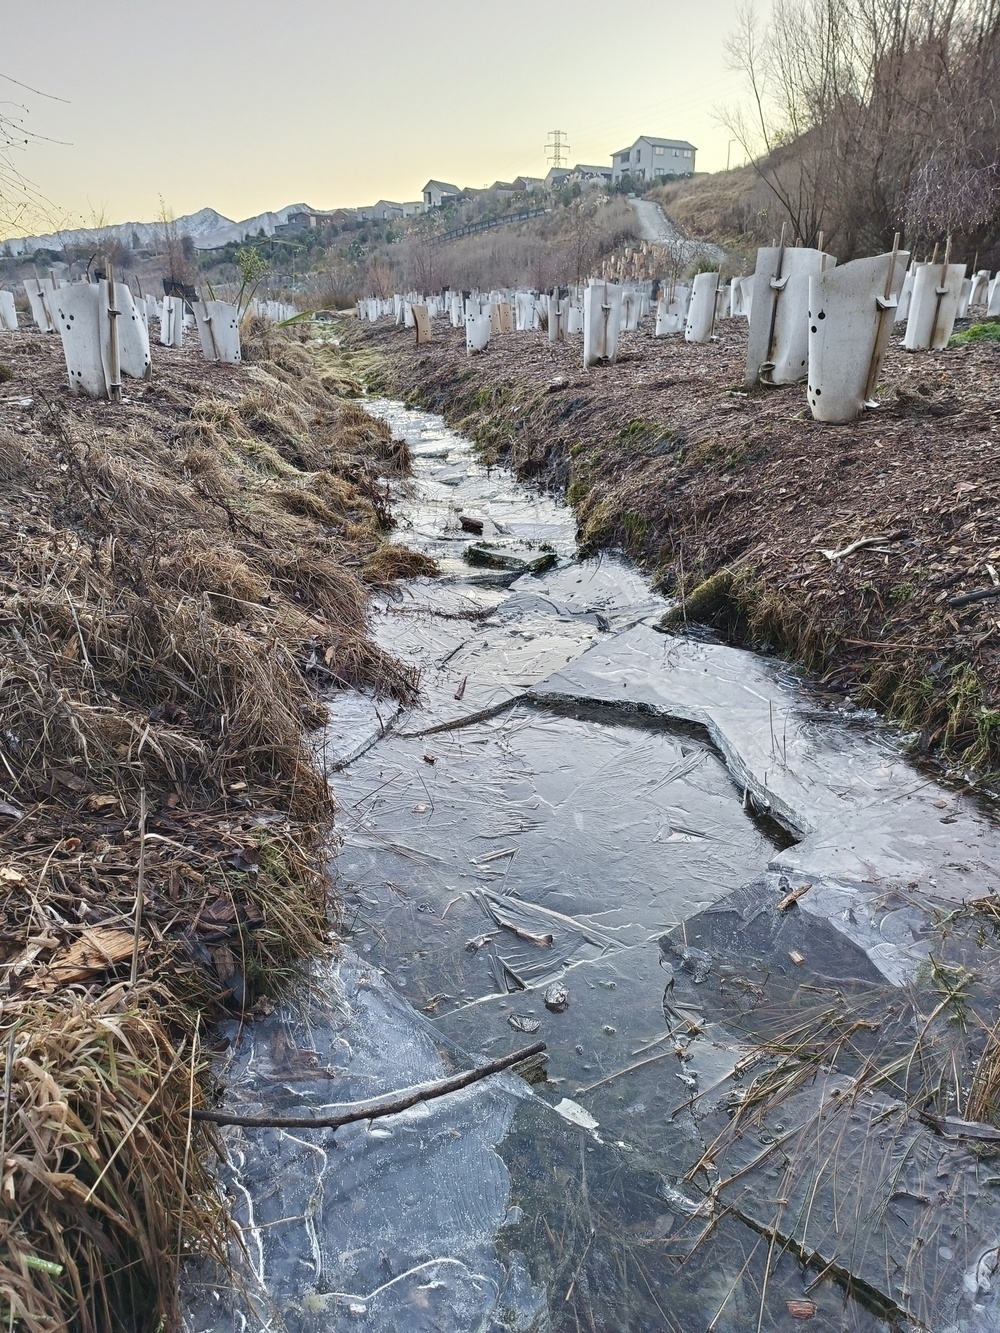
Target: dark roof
x,y
441,185
582,166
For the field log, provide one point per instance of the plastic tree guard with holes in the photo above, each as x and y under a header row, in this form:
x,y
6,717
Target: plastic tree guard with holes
x,y
980,287
133,338
477,333
700,322
850,320
422,322
219,330
778,337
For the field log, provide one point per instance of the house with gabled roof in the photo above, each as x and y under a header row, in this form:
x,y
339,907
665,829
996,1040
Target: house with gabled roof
x,y
436,192
648,158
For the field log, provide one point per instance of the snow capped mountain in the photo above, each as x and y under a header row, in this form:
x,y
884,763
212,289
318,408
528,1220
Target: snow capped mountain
x,y
207,228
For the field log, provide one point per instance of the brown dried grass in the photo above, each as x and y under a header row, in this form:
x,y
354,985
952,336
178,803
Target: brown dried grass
x,y
176,579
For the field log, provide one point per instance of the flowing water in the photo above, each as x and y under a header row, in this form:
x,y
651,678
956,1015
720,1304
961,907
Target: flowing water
x,y
655,853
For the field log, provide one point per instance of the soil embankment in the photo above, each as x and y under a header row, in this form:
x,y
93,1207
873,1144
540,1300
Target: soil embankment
x,y
181,576
744,508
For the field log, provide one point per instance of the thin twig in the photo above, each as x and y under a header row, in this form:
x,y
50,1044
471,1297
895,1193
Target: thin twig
x,y
140,885
375,1107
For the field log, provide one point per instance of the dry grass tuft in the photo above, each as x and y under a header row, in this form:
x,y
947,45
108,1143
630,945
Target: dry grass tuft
x,y
390,562
103,1190
178,578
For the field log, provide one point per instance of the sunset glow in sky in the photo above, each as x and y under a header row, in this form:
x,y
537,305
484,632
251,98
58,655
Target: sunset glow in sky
x,y
253,105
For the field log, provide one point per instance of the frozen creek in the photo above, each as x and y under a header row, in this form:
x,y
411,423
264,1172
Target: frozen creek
x,y
658,854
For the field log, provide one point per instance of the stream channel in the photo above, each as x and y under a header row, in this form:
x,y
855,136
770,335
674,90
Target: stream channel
x,y
732,911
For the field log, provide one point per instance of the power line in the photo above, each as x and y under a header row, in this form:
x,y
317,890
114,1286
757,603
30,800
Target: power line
x,y
557,149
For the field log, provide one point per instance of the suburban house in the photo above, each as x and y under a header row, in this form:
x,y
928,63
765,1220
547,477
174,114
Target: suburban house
x,y
555,177
310,219
649,157
387,210
529,183
587,175
436,192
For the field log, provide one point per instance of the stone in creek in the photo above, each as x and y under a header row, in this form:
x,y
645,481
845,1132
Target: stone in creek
x,y
481,554
556,997
471,524
523,1023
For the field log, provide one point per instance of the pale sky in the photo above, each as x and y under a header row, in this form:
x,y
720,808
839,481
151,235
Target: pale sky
x,y
247,105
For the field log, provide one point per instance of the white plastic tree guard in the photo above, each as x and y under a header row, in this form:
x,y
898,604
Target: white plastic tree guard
x,y
172,321
850,316
456,310
8,312
736,309
602,315
993,297
980,287
219,330
778,337
937,289
964,298
153,308
746,295
79,325
506,312
47,290
33,291
422,323
117,307
102,337
558,310
903,304
700,322
477,333
493,310
574,319
631,311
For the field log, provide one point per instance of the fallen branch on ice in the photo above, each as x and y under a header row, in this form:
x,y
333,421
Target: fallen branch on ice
x,y
375,1107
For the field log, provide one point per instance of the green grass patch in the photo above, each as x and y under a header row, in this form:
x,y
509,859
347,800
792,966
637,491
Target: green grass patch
x,y
986,331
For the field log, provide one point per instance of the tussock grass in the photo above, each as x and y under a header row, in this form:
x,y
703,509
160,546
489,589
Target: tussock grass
x,y
176,581
103,1189
390,562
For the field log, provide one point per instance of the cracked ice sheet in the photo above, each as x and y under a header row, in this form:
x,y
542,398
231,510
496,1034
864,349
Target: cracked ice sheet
x,y
387,1225
864,813
470,668
355,723
595,833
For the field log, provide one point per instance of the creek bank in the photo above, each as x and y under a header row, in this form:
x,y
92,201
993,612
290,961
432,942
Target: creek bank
x,y
181,576
732,499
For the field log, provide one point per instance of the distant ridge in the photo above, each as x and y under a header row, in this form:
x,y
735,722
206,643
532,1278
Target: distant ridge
x,y
207,228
